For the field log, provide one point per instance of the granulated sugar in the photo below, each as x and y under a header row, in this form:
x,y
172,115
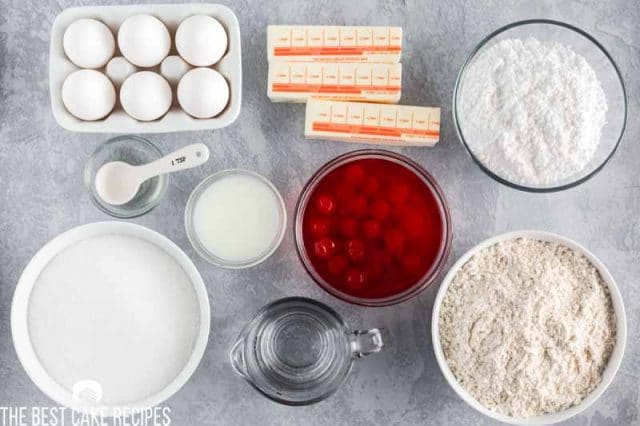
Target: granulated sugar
x,y
117,310
527,327
532,112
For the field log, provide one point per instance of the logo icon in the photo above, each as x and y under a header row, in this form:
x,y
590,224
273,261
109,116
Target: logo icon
x,y
87,391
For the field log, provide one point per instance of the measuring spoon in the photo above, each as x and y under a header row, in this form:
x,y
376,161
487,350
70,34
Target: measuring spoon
x,y
118,182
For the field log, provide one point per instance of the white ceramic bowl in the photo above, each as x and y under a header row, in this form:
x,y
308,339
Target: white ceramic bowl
x,y
176,120
20,315
610,370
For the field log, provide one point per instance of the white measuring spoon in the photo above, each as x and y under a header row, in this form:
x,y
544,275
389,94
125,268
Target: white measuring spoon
x,y
118,182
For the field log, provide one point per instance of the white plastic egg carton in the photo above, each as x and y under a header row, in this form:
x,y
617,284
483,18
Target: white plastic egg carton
x,y
176,120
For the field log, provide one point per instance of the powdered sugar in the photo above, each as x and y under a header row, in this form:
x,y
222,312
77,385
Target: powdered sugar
x,y
532,112
527,327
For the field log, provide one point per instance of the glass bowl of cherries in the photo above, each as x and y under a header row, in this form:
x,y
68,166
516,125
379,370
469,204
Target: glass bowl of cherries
x,y
372,227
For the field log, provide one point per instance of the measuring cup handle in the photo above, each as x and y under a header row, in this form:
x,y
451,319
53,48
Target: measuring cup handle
x,y
366,342
236,356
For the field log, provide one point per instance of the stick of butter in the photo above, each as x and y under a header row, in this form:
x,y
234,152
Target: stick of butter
x,y
397,125
316,43
300,81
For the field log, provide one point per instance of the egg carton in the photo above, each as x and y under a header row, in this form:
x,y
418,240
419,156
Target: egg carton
x,y
175,120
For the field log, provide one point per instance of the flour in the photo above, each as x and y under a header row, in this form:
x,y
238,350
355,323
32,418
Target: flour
x,y
527,327
532,112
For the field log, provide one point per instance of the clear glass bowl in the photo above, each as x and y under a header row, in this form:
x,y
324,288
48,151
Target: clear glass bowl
x,y
193,235
599,59
427,279
135,151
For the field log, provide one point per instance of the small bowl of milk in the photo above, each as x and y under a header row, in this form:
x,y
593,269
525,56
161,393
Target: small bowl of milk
x,y
235,219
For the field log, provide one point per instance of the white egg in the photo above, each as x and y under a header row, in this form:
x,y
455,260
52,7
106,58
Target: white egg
x,y
203,93
88,94
145,96
88,43
118,69
201,40
144,40
173,68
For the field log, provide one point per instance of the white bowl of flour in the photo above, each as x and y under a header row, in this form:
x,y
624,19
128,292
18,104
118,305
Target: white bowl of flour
x,y
540,105
529,322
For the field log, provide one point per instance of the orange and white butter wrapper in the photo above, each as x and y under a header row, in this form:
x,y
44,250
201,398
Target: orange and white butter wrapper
x,y
359,82
319,43
391,125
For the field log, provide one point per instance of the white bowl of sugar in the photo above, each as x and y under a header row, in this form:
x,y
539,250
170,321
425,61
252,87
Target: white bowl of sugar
x,y
110,318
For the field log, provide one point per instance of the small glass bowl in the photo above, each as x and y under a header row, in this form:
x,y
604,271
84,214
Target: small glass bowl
x,y
135,151
193,235
606,70
445,244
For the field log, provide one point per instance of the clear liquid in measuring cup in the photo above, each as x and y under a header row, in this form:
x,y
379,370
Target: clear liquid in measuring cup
x,y
295,351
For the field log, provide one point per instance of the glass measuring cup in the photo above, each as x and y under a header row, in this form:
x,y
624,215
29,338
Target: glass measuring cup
x,y
297,351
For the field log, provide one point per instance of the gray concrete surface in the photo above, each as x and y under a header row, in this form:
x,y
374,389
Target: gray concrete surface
x,y
42,194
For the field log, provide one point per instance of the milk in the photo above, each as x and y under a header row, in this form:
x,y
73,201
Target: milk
x,y
239,218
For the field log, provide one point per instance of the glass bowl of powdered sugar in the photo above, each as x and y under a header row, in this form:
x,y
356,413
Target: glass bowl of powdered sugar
x,y
540,105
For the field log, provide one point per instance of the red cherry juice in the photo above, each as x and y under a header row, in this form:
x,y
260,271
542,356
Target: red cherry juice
x,y
372,228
